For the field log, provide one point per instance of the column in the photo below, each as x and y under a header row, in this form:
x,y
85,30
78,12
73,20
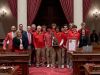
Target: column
x,y
78,13
22,13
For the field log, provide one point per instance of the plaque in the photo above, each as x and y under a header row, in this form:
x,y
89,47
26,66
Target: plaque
x,y
71,45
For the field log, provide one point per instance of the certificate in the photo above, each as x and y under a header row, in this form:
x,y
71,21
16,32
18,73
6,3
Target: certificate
x,y
71,45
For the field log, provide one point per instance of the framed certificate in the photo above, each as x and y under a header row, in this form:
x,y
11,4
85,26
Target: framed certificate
x,y
71,45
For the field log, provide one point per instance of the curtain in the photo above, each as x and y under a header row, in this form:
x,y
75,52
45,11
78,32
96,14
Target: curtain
x,y
67,6
13,7
32,7
86,7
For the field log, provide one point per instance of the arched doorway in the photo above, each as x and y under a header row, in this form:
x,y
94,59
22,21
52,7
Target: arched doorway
x,y
49,12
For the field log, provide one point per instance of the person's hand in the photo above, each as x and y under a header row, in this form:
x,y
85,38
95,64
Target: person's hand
x,y
70,40
35,48
65,47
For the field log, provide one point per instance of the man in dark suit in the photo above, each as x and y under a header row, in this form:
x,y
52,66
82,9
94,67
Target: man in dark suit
x,y
33,55
29,37
24,36
94,37
30,45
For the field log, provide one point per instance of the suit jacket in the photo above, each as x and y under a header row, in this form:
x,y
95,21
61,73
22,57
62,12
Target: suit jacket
x,y
31,38
16,43
25,39
9,38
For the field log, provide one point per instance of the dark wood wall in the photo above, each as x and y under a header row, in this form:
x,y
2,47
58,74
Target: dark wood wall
x,y
92,22
6,21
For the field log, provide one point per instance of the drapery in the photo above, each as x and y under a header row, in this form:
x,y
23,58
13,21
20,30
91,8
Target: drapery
x,y
32,9
86,7
13,7
67,6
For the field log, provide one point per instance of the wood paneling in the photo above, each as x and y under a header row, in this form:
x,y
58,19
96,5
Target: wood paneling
x,y
7,21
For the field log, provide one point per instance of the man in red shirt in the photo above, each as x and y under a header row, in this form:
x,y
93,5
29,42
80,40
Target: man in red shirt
x,y
70,26
63,47
39,44
9,39
72,34
33,56
53,27
48,45
33,28
44,28
57,48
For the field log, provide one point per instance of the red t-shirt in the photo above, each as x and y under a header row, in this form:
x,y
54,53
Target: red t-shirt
x,y
48,39
64,37
38,40
73,35
58,36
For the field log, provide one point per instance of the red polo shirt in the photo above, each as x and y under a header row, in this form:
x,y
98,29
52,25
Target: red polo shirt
x,y
38,40
72,35
53,31
64,36
48,39
58,36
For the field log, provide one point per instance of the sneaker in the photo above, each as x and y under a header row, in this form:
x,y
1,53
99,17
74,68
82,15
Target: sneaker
x,y
68,66
29,63
59,66
48,65
52,66
62,66
43,65
37,65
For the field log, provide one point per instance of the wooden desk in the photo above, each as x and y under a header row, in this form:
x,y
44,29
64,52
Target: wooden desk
x,y
80,58
89,69
12,71
12,58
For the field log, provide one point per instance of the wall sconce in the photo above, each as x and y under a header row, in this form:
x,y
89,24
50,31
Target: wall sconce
x,y
3,12
96,13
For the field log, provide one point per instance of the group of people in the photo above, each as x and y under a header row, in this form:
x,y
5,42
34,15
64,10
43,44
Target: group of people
x,y
47,45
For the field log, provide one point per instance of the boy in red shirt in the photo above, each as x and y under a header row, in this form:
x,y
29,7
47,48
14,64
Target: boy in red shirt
x,y
53,28
63,47
72,34
48,46
39,44
57,48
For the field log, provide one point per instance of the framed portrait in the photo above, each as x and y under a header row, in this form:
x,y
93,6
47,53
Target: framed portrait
x,y
71,45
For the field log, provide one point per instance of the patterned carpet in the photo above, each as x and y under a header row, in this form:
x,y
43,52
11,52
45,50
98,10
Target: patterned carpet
x,y
49,71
